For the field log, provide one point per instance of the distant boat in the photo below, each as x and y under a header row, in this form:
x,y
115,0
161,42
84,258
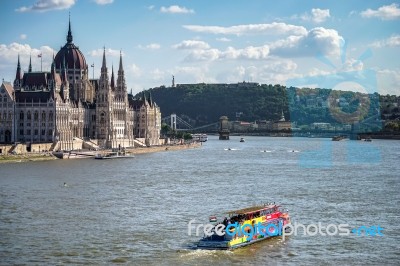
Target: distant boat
x,y
73,154
113,155
241,139
338,138
368,139
200,137
213,219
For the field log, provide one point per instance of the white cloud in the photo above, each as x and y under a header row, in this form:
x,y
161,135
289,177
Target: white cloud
x,y
272,28
176,10
9,56
157,75
352,64
22,36
151,46
47,5
250,52
191,44
134,70
103,2
317,41
196,74
231,53
319,15
203,55
109,52
275,72
389,12
388,81
392,41
223,39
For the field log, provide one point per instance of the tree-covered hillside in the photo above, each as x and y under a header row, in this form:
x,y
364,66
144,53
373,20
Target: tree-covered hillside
x,y
201,104
206,103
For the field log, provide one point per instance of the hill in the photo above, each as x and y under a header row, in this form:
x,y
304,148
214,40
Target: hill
x,y
201,104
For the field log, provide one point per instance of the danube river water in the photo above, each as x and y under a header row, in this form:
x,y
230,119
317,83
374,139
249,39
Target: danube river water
x,y
136,211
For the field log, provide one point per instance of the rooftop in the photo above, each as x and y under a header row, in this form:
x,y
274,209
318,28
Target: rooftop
x,y
252,209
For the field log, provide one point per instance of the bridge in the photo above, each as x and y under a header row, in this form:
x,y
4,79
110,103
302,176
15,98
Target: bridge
x,y
178,124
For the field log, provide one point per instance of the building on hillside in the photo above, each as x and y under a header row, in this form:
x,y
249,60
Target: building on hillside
x,y
63,107
282,124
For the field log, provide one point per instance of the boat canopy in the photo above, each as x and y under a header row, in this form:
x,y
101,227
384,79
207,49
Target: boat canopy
x,y
252,209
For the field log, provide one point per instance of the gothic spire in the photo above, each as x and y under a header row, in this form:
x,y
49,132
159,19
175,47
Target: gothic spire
x,y
30,64
121,76
53,66
18,75
112,78
150,99
103,83
121,69
69,36
103,66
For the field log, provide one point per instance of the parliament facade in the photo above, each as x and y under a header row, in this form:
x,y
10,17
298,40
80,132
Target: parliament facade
x,y
67,110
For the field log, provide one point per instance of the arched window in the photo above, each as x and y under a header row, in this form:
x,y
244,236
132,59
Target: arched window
x,y
28,116
51,116
102,118
36,116
43,116
21,115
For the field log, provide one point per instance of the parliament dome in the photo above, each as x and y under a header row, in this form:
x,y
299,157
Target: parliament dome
x,y
71,54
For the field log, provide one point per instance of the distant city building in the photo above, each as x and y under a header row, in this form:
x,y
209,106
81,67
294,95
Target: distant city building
x,y
322,126
65,108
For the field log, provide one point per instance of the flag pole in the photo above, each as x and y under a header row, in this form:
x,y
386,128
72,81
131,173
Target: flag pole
x,y
41,61
93,69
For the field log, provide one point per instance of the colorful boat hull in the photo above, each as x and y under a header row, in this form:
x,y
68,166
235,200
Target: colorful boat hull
x,y
251,225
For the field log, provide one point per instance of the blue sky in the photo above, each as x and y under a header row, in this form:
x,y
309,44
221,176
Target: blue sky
x,y
210,41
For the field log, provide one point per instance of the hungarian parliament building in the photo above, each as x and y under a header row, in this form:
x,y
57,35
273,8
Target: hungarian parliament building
x,y
63,109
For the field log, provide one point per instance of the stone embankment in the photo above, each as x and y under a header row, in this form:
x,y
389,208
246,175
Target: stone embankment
x,y
19,158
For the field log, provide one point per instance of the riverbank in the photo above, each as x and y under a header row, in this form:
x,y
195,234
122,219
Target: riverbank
x,y
20,158
164,148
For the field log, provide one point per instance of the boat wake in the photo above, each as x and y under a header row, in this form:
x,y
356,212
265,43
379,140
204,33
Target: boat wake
x,y
293,151
266,151
231,149
197,253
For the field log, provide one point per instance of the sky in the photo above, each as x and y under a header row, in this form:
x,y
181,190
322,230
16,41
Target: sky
x,y
288,42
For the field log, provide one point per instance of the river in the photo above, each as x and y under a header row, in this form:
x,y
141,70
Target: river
x,y
136,211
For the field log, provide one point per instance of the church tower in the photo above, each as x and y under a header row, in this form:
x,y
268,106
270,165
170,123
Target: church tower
x,y
121,96
104,106
18,76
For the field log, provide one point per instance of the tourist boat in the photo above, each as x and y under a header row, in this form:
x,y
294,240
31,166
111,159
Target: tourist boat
x,y
200,137
73,154
113,155
246,226
241,139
